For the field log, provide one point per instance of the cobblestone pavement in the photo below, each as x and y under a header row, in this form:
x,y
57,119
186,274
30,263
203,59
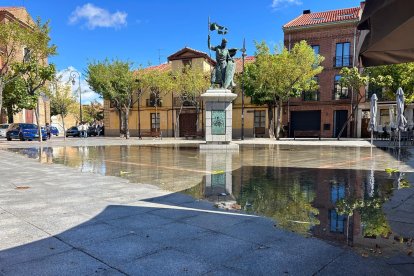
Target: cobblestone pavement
x,y
55,220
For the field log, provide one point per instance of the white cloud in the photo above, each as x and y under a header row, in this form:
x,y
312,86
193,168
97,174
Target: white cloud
x,y
88,95
98,17
278,4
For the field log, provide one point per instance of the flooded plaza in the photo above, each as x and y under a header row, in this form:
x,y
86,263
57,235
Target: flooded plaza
x,y
333,193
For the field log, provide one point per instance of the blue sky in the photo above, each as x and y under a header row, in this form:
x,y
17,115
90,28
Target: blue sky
x,y
144,31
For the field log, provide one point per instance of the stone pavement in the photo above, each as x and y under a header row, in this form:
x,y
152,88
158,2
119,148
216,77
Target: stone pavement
x,y
57,221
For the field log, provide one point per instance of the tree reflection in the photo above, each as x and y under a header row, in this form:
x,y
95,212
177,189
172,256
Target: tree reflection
x,y
284,197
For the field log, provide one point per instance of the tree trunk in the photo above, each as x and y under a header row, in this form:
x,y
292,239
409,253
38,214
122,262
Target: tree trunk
x,y
350,117
270,123
63,124
126,125
39,128
9,115
1,92
177,122
120,122
278,119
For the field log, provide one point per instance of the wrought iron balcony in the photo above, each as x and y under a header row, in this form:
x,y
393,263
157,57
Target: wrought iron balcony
x,y
310,96
154,102
340,94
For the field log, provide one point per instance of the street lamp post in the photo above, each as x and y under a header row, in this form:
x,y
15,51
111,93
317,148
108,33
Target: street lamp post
x,y
72,77
242,115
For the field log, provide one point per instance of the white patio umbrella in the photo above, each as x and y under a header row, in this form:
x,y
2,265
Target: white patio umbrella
x,y
401,120
373,120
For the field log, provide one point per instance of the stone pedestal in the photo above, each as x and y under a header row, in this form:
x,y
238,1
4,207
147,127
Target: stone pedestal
x,y
219,110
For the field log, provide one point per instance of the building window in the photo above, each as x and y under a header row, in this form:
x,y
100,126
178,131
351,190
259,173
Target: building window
x,y
187,63
342,55
337,192
155,121
259,118
154,100
26,54
340,92
310,96
336,222
316,49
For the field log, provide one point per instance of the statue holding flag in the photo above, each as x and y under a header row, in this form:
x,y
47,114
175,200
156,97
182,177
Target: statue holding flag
x,y
223,72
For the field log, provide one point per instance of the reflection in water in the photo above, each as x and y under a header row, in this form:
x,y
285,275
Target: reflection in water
x,y
302,189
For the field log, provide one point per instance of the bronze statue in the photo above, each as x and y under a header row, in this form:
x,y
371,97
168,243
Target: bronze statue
x,y
225,68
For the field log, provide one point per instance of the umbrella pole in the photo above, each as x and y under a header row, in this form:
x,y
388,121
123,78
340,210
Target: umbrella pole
x,y
372,138
399,138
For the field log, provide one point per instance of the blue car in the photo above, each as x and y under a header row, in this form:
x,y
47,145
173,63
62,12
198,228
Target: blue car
x,y
24,132
54,131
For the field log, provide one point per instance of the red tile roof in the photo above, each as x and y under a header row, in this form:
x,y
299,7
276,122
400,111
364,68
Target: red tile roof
x,y
316,18
239,63
161,67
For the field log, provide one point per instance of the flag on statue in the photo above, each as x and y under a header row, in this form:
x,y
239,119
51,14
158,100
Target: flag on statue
x,y
220,29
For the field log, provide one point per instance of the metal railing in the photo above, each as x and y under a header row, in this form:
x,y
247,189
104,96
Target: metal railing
x,y
310,96
340,94
153,102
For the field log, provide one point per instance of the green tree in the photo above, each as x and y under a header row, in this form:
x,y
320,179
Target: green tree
x,y
157,83
61,99
34,36
275,77
115,81
357,82
190,84
93,112
34,75
15,98
391,77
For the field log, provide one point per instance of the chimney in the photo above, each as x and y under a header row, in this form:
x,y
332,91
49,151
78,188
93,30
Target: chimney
x,y
362,5
306,11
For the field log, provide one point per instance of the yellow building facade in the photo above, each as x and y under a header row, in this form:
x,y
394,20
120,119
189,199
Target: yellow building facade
x,y
147,119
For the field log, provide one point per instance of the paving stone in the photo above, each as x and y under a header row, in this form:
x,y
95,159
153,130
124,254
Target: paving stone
x,y
91,233
119,251
67,263
214,247
30,251
140,221
350,263
171,234
215,221
167,262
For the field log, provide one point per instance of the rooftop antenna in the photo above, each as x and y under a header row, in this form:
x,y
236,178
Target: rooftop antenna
x,y
159,55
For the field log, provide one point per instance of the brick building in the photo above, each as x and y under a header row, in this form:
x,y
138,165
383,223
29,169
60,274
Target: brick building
x,y
20,15
332,34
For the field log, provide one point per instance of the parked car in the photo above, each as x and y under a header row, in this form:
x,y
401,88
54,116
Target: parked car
x,y
3,129
24,132
73,131
92,131
54,130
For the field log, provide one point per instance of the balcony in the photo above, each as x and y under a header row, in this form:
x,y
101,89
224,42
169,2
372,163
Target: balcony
x,y
342,61
310,96
342,94
177,102
153,102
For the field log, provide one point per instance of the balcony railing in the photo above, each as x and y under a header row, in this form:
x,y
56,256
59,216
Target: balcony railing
x,y
153,102
342,61
340,94
177,102
310,96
